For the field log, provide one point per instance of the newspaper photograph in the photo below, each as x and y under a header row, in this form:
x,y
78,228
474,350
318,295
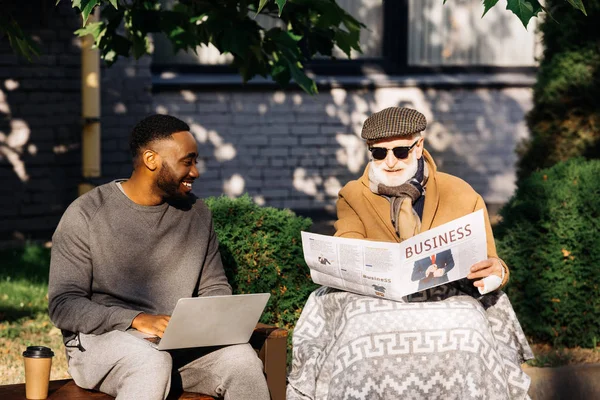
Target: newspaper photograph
x,y
394,270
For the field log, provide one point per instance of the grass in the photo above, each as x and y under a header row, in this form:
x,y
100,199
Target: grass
x,y
24,317
548,356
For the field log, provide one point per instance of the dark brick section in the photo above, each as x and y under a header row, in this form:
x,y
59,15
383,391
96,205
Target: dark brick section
x,y
40,111
40,123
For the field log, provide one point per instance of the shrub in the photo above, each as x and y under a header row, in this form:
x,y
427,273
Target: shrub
x,y
565,119
550,237
261,248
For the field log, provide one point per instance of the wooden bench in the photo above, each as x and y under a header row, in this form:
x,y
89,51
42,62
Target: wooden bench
x,y
269,341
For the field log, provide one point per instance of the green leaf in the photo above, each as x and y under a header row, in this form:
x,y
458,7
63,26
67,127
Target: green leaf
x,y
114,3
346,41
86,7
288,57
307,84
261,5
524,9
578,4
487,5
280,4
140,45
21,43
93,28
121,45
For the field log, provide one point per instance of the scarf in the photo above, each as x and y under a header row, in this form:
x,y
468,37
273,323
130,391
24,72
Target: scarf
x,y
406,200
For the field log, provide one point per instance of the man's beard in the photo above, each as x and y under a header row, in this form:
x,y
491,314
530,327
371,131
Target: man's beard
x,y
410,169
169,185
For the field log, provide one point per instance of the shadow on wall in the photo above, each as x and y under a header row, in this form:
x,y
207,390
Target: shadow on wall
x,y
39,126
288,149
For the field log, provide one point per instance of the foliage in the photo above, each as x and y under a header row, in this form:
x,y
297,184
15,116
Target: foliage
x,y
565,119
18,40
261,250
550,237
305,28
527,9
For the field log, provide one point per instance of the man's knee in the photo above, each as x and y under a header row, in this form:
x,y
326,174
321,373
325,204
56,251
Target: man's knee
x,y
159,363
242,360
147,373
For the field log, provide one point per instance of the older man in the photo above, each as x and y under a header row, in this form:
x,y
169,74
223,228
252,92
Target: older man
x,y
440,342
122,256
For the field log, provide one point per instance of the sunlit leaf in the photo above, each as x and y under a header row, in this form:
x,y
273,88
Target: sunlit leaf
x,y
93,28
86,7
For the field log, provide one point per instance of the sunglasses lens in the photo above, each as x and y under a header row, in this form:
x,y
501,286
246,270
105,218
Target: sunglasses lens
x,y
378,153
401,152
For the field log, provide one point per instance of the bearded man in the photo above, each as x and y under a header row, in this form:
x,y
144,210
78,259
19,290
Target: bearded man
x,y
457,340
123,254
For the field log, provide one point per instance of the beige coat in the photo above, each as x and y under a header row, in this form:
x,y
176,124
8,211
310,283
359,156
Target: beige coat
x,y
363,214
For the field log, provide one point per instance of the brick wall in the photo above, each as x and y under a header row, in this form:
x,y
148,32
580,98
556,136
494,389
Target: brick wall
x,y
39,125
289,149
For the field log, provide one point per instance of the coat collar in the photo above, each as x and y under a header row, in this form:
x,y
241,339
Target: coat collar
x,y
382,206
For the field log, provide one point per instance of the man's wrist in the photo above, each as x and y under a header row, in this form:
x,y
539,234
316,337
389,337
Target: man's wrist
x,y
133,321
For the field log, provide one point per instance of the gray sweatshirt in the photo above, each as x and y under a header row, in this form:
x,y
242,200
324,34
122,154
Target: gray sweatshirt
x,y
113,259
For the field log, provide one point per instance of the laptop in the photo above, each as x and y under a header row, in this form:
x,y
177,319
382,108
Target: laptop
x,y
210,321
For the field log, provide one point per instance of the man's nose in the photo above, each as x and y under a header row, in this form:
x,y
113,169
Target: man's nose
x,y
194,172
390,159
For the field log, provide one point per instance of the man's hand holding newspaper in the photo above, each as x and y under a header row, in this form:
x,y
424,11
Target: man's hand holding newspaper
x,y
393,270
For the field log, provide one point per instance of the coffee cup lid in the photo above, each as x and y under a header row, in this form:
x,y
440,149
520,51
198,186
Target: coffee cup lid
x,y
38,352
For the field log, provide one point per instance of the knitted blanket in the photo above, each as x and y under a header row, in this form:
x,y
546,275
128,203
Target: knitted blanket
x,y
441,344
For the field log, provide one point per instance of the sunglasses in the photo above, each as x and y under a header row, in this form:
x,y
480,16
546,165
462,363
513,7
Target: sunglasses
x,y
380,153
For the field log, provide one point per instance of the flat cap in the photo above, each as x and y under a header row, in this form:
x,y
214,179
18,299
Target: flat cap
x,y
393,122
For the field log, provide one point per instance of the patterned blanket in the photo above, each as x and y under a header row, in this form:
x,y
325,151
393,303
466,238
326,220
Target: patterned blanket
x,y
438,344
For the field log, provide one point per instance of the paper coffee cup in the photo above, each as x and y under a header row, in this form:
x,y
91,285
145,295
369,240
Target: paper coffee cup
x,y
38,362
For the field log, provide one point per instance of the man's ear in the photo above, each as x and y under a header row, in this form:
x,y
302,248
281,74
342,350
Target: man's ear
x,y
419,147
151,159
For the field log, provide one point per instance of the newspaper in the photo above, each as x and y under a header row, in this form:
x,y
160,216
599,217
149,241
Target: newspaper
x,y
393,270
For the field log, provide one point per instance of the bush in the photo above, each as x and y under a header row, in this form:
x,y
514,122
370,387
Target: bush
x,y
550,237
565,119
261,248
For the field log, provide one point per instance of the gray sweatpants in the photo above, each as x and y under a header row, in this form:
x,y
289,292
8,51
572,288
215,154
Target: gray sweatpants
x,y
129,368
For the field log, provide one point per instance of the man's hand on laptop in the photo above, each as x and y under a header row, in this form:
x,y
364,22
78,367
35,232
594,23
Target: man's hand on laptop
x,y
151,324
